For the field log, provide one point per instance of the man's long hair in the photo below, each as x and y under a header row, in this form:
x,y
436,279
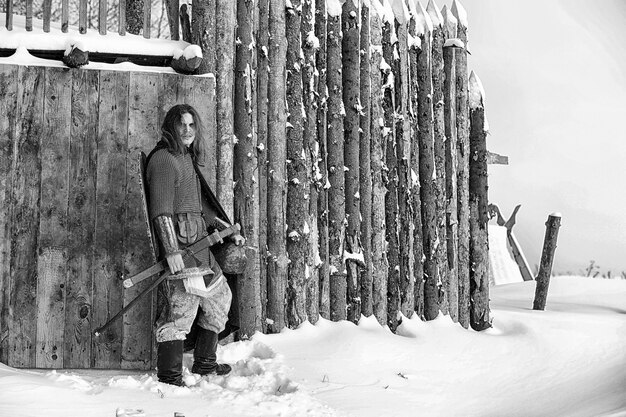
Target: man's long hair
x,y
172,140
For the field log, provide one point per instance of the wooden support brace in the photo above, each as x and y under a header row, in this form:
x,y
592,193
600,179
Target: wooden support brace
x,y
495,159
547,257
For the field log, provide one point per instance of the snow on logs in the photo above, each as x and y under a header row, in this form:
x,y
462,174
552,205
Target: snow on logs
x,y
478,203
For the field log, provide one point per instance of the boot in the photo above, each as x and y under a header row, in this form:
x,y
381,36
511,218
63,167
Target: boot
x,y
204,355
170,362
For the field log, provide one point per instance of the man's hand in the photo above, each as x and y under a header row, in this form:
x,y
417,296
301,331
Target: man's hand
x,y
175,262
238,239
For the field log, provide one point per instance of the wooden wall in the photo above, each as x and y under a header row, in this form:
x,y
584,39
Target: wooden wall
x,y
71,221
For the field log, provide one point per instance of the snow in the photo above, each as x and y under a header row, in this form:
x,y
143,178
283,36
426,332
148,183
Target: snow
x,y
449,22
476,92
459,12
455,43
569,360
400,11
423,23
333,7
435,14
92,41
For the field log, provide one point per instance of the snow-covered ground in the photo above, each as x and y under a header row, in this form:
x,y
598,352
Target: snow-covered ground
x,y
569,360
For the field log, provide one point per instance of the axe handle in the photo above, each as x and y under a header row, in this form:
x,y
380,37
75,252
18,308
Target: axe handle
x,y
211,240
105,326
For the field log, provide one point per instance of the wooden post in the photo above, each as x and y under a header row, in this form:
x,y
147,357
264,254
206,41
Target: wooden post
x,y
9,14
224,75
29,13
185,23
351,124
47,11
449,97
322,179
147,17
311,148
462,128
121,13
479,215
102,18
391,161
203,33
379,189
173,19
406,282
428,177
297,178
416,200
82,17
276,192
440,249
246,203
365,174
335,161
547,257
262,42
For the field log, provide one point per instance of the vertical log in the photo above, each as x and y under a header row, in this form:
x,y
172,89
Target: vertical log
x,y
440,246
81,219
403,153
134,16
276,188
121,13
224,71
547,257
82,17
9,15
322,178
262,42
29,14
365,174
298,182
185,23
350,17
427,174
335,161
172,18
379,189
462,128
311,148
449,97
24,200
47,12
391,170
102,17
416,200
479,216
246,187
203,33
53,233
147,18
8,106
108,261
143,132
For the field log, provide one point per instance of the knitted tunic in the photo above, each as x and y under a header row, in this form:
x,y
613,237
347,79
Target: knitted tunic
x,y
173,184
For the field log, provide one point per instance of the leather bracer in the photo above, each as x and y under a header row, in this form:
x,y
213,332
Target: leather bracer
x,y
164,227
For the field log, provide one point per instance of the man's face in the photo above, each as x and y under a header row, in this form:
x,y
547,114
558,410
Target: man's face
x,y
186,129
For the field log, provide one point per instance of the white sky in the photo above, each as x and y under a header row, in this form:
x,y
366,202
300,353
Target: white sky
x,y
553,72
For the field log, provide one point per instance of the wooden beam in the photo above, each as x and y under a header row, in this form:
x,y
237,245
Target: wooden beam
x,y
495,159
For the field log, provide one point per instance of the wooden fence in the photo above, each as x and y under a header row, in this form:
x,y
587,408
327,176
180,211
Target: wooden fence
x,y
71,221
107,10
354,140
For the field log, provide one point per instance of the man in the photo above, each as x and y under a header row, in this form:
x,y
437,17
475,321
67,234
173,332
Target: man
x,y
175,210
